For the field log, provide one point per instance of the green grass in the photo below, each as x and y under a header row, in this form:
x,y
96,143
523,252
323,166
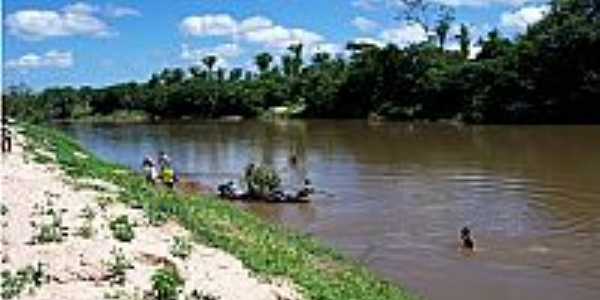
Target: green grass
x,y
268,250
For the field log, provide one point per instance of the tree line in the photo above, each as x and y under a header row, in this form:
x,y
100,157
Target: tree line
x,y
549,74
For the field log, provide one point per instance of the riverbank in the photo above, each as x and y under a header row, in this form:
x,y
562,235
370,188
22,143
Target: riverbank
x,y
56,230
267,250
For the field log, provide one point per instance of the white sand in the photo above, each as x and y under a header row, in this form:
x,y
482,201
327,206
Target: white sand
x,y
77,266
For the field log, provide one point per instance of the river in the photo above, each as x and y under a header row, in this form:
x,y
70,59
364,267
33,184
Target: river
x,y
394,195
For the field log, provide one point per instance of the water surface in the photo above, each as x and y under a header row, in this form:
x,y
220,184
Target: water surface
x,y
395,195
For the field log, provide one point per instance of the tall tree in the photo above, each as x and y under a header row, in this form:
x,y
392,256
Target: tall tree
x,y
296,64
287,64
209,62
443,26
425,13
464,40
263,62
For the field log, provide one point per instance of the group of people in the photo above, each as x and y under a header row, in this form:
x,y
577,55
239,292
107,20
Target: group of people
x,y
160,170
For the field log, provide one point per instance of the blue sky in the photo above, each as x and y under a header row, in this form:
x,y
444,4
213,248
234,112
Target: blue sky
x,y
97,43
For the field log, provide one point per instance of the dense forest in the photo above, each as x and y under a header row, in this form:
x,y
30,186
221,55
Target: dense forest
x,y
549,74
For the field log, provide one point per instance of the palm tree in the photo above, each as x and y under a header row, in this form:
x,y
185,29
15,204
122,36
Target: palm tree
x,y
296,50
443,26
286,62
321,58
263,61
464,39
210,62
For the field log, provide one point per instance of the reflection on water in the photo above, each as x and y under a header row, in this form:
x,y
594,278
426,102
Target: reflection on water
x,y
394,195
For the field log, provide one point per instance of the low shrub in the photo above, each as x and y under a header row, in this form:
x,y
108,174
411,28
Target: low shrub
x,y
166,284
181,247
122,230
118,266
12,285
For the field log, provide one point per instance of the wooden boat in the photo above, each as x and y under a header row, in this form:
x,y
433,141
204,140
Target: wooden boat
x,y
228,192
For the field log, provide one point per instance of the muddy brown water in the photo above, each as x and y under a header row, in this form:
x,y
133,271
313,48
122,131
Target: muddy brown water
x,y
394,195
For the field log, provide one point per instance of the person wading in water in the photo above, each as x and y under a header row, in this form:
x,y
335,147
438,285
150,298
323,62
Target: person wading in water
x,y
467,242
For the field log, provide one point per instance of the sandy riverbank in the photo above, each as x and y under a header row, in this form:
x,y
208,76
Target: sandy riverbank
x,y
78,268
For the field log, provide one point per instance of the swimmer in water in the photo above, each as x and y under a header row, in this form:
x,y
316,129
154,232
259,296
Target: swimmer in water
x,y
467,242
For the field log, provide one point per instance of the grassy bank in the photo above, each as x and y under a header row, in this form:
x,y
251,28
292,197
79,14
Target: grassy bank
x,y
266,249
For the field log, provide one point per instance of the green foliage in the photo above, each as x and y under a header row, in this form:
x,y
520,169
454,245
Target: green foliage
x,y
547,75
524,79
166,284
121,228
50,231
261,180
181,247
12,285
156,217
118,266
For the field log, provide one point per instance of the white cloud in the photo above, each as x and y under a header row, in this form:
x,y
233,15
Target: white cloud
x,y
77,19
482,2
404,35
80,8
522,18
281,37
330,48
257,29
209,25
371,5
366,4
364,24
369,40
51,59
255,23
223,53
121,11
474,48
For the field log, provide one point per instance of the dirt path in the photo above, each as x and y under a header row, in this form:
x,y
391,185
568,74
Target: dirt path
x,y
78,267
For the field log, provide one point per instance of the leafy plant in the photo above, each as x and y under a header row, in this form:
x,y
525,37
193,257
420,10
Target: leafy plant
x,y
181,247
122,230
118,267
156,217
50,232
166,284
12,285
261,180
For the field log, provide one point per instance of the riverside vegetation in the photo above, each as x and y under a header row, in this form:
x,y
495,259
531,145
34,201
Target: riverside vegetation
x,y
549,74
266,249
